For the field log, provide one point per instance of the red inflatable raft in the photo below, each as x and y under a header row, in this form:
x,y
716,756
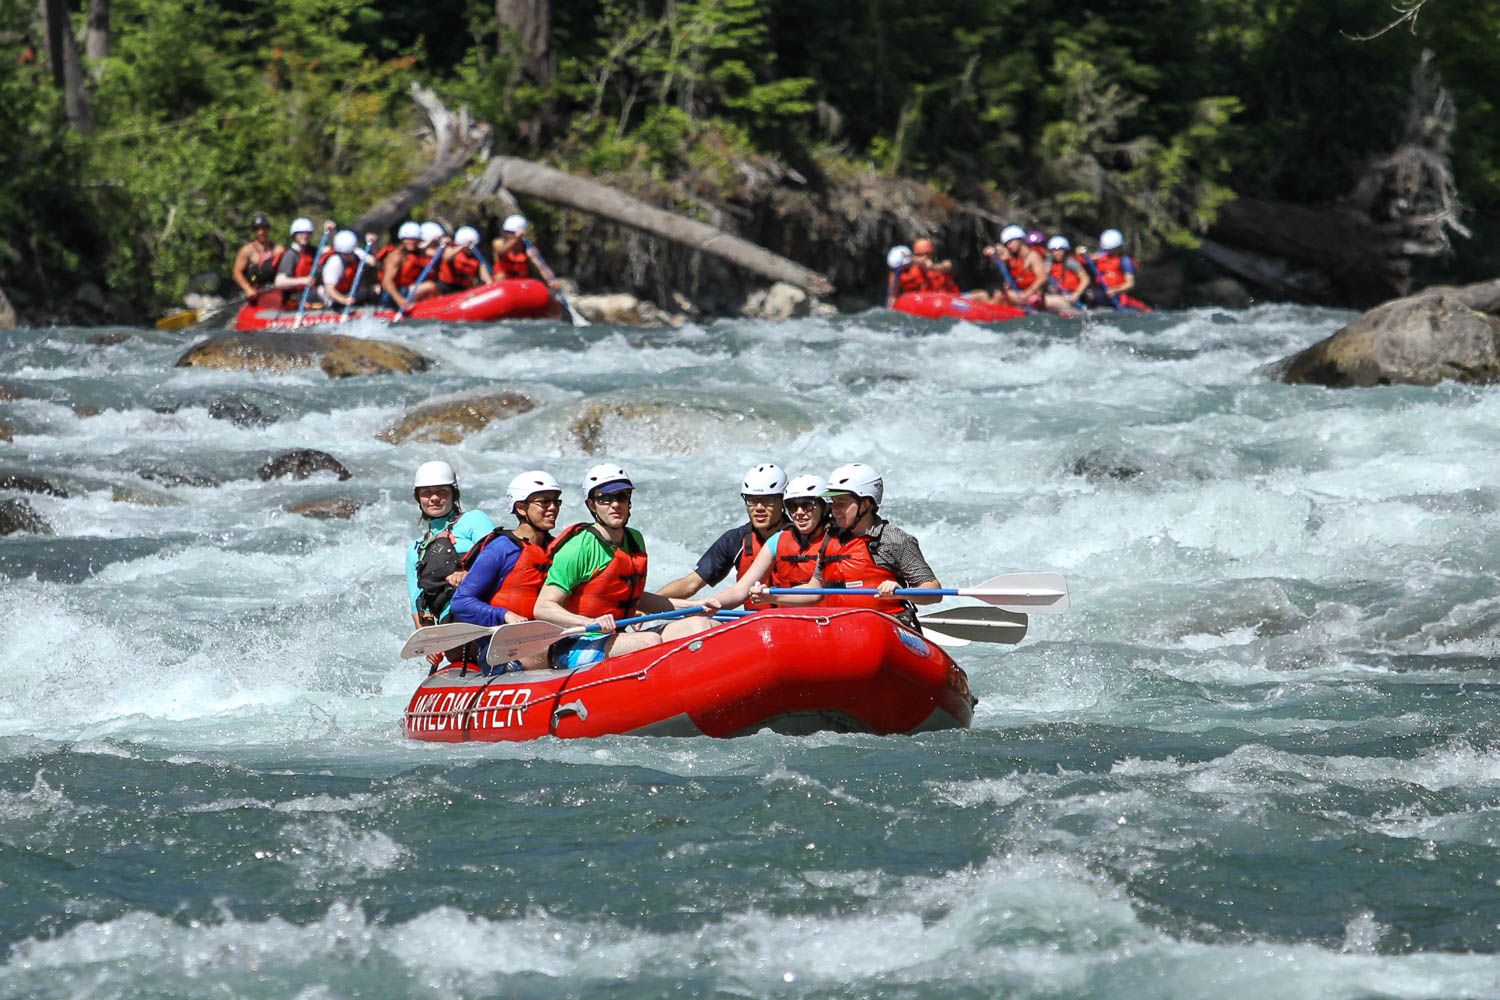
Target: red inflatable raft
x,y
946,305
795,671
514,298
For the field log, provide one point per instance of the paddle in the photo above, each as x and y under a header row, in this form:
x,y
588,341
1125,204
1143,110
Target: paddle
x,y
1045,593
1088,262
1010,283
199,317
359,272
550,276
529,637
976,625
312,278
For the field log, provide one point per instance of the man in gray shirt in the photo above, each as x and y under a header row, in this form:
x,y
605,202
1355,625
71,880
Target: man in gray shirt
x,y
870,551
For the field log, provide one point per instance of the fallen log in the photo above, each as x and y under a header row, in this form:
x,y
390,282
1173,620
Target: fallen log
x,y
458,140
550,184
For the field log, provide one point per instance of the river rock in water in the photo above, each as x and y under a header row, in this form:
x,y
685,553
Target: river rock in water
x,y
18,515
325,508
1416,341
302,463
279,353
23,482
621,309
240,412
451,418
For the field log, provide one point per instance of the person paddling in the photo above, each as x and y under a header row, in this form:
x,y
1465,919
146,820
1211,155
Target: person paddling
x,y
937,274
255,263
460,267
1024,269
1116,272
1066,274
870,551
295,271
795,555
401,265
905,275
341,266
514,255
507,567
761,490
433,570
598,574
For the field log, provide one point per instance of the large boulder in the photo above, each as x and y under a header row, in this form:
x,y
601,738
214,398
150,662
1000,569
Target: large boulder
x,y
1420,340
325,508
621,309
18,515
279,353
301,463
451,418
23,482
607,425
779,302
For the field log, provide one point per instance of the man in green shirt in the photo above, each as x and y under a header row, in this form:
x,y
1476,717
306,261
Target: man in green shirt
x,y
598,574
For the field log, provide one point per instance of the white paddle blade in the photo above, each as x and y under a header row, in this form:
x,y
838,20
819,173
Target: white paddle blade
x,y
441,638
514,642
1043,593
942,638
579,322
977,624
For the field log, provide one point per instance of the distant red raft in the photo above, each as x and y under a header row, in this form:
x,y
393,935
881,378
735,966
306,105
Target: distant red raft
x,y
794,671
515,298
946,305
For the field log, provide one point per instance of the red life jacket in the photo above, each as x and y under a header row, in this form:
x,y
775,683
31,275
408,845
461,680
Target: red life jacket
x,y
796,557
937,281
513,264
617,587
1020,270
519,590
749,549
856,569
411,267
911,278
291,298
460,269
1111,268
1065,277
346,280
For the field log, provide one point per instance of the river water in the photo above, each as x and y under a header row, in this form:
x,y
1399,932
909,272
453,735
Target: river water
x,y
1257,758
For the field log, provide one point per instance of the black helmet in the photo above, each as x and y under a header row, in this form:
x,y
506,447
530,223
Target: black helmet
x,y
260,221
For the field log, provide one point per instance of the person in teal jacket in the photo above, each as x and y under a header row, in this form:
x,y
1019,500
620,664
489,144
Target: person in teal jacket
x,y
448,531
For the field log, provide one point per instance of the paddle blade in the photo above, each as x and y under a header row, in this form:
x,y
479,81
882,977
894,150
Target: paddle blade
x,y
976,625
441,638
1040,593
178,320
942,638
523,639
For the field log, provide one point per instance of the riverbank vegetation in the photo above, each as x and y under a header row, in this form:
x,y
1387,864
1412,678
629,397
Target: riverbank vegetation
x,y
145,133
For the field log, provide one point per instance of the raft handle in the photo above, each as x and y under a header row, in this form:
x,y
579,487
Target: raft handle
x,y
574,707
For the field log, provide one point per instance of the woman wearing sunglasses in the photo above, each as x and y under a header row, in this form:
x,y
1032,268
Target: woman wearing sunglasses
x,y
793,556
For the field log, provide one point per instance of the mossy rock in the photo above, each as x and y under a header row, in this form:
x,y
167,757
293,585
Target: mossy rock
x,y
451,418
281,353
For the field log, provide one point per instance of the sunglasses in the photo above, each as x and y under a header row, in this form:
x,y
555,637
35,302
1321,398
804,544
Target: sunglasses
x,y
796,506
614,498
553,502
757,501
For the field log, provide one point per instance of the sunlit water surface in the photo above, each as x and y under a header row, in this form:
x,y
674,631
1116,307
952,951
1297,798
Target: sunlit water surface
x,y
1258,758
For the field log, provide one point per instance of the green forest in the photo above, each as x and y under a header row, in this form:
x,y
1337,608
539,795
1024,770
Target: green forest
x,y
761,116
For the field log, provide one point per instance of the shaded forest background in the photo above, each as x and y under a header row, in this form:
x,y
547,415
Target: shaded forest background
x,y
141,140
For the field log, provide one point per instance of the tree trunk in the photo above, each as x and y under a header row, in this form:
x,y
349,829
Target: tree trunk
x,y
529,22
458,141
67,70
96,38
549,184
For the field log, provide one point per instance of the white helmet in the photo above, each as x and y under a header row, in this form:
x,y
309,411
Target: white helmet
x,y
1059,243
1111,239
898,257
434,474
524,486
344,241
764,480
467,236
808,487
857,478
432,231
409,231
515,224
605,475
301,224
1012,233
